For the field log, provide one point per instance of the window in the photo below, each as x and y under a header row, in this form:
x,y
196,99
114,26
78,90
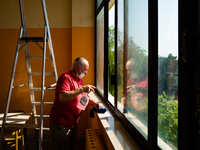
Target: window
x,y
133,62
120,54
150,66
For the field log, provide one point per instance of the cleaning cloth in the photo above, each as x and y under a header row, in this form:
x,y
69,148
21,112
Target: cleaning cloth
x,y
97,110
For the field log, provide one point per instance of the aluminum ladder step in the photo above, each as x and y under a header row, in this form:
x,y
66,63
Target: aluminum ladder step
x,y
45,103
46,89
44,129
37,57
39,73
38,116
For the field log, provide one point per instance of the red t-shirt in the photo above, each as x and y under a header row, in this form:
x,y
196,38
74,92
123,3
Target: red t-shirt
x,y
66,113
137,98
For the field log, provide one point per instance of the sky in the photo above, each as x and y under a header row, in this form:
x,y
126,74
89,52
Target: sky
x,y
138,24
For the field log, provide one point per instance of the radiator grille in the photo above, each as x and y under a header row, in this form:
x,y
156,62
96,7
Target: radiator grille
x,y
93,140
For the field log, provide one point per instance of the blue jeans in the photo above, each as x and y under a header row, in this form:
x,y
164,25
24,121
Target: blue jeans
x,y
62,138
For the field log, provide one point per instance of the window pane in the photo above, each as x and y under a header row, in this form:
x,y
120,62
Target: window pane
x,y
100,52
120,55
135,63
168,74
111,52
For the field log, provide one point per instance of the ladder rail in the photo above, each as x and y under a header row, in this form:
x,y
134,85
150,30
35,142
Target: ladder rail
x,y
28,64
42,90
10,88
22,14
49,39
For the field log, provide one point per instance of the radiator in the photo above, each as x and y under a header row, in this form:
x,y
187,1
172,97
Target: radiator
x,y
93,140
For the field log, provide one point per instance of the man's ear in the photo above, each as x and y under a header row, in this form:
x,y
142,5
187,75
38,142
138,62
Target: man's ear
x,y
77,68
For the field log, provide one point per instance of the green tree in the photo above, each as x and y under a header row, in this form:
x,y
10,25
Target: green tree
x,y
111,57
168,119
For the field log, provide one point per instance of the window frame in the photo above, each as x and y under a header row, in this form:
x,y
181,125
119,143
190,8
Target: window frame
x,y
104,4
188,37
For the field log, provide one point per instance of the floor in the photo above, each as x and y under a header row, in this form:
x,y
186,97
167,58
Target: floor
x,y
32,145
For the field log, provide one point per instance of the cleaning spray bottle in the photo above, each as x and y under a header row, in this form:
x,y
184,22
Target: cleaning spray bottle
x,y
83,102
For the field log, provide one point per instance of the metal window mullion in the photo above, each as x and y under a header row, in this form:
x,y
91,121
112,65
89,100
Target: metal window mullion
x,y
106,51
116,54
126,30
153,74
100,6
188,75
95,45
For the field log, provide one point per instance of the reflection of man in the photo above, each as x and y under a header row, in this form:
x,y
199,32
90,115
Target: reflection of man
x,y
137,85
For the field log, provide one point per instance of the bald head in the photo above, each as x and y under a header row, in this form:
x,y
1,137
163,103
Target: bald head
x,y
133,67
80,67
80,61
130,63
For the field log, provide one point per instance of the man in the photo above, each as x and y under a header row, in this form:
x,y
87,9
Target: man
x,y
64,114
137,86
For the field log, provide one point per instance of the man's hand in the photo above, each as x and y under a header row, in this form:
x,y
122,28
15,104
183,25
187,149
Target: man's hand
x,y
88,88
98,105
130,88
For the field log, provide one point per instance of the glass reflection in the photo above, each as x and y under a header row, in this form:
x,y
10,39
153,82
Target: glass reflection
x,y
136,89
133,63
120,54
100,51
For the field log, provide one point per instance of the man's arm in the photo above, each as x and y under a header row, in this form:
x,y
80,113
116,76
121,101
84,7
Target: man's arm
x,y
69,95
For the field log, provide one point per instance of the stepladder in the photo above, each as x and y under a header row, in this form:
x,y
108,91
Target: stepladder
x,y
41,74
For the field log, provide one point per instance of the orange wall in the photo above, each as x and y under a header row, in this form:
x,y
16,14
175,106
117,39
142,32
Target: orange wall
x,y
72,35
83,45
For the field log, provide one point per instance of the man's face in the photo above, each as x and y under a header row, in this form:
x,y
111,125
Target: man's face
x,y
82,69
131,68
